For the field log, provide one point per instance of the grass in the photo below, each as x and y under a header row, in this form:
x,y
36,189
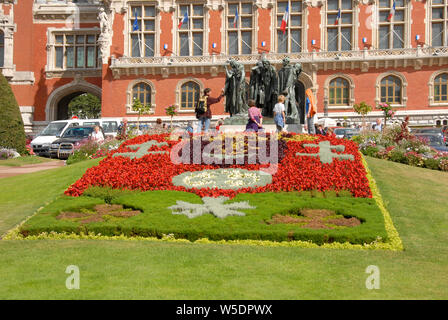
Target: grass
x,y
157,219
25,160
416,199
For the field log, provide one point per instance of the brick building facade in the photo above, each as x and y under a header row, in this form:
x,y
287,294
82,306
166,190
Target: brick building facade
x,y
351,51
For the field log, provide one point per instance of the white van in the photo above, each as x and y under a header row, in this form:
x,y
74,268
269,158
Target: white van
x,y
55,129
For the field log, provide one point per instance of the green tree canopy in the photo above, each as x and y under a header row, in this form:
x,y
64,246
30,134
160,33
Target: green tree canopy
x,y
85,106
12,132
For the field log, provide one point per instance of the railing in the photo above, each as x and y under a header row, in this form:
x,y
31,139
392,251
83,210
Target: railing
x,y
306,57
79,2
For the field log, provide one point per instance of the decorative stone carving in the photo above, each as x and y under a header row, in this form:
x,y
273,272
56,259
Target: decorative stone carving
x,y
264,4
215,5
105,38
314,3
365,2
166,5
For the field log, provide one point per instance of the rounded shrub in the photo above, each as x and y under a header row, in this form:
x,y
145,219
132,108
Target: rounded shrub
x,y
12,132
431,163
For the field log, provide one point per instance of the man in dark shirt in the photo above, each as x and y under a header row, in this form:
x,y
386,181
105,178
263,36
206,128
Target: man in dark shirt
x,y
204,118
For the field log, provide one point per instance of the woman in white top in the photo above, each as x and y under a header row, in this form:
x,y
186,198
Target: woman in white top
x,y
279,113
97,135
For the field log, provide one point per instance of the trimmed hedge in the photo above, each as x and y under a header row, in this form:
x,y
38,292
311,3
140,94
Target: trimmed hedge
x,y
158,221
12,132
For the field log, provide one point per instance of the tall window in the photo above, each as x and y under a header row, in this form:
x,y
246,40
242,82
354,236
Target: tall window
x,y
440,88
142,26
191,32
290,39
391,90
339,25
439,23
142,91
189,95
240,30
391,26
339,92
73,51
2,49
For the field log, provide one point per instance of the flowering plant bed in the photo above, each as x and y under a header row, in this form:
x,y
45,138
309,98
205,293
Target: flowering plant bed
x,y
152,162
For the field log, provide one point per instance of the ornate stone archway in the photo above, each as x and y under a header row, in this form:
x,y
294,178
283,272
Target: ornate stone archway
x,y
77,85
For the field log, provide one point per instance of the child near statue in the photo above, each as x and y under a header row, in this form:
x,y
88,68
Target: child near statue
x,y
279,113
255,118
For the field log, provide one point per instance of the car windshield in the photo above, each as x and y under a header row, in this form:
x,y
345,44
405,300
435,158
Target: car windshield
x,y
339,131
437,131
79,132
54,129
432,140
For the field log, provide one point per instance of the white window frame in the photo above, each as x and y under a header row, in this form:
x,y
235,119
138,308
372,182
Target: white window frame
x,y
405,23
239,29
302,28
190,30
339,26
129,20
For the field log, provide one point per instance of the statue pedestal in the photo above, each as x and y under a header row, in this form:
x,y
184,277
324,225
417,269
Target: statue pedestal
x,y
233,128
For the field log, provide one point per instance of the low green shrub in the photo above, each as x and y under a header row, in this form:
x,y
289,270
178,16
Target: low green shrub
x,y
157,220
370,151
106,193
398,155
431,163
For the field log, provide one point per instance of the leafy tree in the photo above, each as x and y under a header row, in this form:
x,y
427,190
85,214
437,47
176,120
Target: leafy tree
x,y
171,111
85,106
139,107
12,132
362,109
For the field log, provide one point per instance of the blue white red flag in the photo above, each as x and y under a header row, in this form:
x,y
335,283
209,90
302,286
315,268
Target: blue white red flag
x,y
235,20
392,12
338,17
184,20
285,19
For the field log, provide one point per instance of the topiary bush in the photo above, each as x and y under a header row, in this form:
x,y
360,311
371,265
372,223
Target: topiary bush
x,y
398,155
12,132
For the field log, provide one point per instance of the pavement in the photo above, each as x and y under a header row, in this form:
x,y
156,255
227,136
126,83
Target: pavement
x,y
6,171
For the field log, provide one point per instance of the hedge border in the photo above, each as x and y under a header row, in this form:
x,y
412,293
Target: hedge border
x,y
394,244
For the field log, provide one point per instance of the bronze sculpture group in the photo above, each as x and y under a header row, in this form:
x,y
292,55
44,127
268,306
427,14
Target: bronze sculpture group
x,y
264,87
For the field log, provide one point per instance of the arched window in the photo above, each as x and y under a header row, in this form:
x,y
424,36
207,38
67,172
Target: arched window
x,y
189,95
391,90
142,91
440,88
339,92
2,49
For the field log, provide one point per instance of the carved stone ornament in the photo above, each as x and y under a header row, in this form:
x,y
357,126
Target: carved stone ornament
x,y
314,3
215,5
365,2
105,38
264,4
166,5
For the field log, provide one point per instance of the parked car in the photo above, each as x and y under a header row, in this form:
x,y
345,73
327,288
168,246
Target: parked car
x,y
63,147
55,129
433,140
437,131
342,132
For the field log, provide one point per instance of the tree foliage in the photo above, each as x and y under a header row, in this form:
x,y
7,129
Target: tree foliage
x,y
12,132
85,106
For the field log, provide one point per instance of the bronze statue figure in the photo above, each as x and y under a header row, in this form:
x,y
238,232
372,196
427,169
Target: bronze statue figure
x,y
264,87
235,89
287,79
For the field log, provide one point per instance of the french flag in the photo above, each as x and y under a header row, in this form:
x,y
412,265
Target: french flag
x,y
235,20
285,19
185,19
338,17
392,12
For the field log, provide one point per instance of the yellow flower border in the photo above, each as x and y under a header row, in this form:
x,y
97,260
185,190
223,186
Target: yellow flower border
x,y
394,243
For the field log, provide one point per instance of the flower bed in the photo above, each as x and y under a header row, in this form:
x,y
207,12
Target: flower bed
x,y
150,162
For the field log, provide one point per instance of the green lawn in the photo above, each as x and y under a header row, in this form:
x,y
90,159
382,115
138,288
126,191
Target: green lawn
x,y
416,199
25,160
